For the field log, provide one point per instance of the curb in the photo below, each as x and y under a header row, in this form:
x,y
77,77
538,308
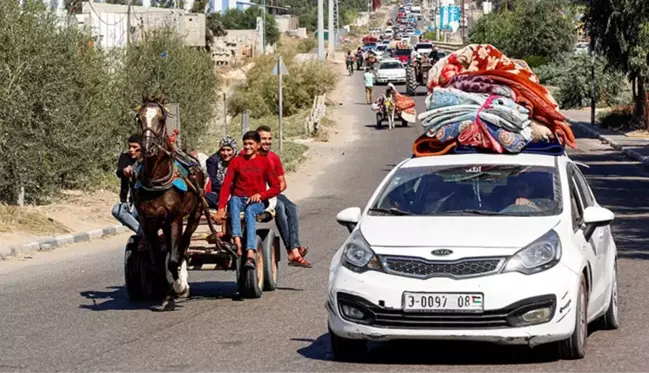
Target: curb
x,y
58,241
633,154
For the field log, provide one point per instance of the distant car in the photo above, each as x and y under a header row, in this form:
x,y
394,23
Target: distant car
x,y
510,249
390,71
581,48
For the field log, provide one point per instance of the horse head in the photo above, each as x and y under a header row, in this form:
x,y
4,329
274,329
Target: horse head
x,y
151,117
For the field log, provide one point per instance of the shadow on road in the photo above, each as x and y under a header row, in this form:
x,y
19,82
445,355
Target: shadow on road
x,y
116,297
622,186
405,352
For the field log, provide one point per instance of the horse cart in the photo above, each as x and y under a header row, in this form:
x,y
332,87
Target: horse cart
x,y
146,275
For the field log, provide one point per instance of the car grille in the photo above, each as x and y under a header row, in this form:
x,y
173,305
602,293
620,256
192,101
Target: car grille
x,y
396,318
422,268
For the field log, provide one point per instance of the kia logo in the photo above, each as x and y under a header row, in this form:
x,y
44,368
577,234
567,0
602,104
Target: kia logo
x,y
442,252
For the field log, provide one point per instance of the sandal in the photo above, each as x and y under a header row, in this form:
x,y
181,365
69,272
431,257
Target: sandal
x,y
299,262
303,250
250,264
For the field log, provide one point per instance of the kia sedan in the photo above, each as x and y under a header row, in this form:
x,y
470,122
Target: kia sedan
x,y
510,249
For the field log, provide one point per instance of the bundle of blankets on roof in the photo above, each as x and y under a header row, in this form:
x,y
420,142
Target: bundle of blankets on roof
x,y
480,98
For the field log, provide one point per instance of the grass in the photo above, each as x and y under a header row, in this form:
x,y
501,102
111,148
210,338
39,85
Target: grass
x,y
16,218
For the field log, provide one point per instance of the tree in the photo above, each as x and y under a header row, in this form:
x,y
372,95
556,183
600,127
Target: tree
x,y
535,28
620,29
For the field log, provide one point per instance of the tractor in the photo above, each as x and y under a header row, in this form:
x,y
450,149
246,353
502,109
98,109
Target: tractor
x,y
417,74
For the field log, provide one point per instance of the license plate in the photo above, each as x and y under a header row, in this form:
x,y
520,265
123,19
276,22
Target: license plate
x,y
443,302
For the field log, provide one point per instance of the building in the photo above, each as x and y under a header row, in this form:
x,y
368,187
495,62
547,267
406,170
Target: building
x,y
108,23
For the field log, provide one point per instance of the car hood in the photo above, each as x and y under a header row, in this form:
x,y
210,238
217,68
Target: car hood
x,y
455,231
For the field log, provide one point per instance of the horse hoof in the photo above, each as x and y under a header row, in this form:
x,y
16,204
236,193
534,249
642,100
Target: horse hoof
x,y
168,305
184,294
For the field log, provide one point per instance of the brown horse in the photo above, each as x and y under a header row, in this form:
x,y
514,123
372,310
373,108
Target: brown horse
x,y
160,204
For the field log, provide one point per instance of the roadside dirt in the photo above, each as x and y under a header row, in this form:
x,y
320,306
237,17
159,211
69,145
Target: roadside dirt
x,y
78,211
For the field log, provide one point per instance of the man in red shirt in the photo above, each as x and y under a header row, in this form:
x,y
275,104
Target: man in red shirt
x,y
286,217
246,180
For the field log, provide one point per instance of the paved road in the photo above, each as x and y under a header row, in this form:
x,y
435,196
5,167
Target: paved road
x,y
72,314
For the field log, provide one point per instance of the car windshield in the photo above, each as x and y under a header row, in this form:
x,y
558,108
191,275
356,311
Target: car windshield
x,y
390,65
473,189
381,47
423,46
402,52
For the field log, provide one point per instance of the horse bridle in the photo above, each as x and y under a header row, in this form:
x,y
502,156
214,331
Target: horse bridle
x,y
158,137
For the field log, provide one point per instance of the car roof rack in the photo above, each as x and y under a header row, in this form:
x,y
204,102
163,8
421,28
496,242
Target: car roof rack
x,y
553,149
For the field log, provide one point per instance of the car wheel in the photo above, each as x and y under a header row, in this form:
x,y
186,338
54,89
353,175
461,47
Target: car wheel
x,y
574,347
611,319
348,350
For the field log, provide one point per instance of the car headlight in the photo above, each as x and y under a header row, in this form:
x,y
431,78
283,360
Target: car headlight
x,y
357,255
540,255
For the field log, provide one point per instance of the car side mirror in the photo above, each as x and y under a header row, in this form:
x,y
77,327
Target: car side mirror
x,y
349,217
595,217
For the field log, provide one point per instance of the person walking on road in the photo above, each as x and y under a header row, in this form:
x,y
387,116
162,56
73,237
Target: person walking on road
x,y
368,77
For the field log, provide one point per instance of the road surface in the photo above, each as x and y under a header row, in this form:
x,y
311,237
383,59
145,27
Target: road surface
x,y
70,312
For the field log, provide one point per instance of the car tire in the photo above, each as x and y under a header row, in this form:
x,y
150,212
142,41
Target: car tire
x,y
347,350
574,348
611,319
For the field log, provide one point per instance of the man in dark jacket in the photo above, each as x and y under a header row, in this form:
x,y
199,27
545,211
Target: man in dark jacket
x,y
124,211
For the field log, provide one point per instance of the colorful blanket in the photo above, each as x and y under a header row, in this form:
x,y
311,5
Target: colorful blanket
x,y
480,97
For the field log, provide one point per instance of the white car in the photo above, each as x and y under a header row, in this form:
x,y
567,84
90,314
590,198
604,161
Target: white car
x,y
424,48
511,249
390,70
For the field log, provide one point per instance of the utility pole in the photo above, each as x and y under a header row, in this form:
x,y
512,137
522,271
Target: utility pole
x,y
128,22
281,111
593,100
321,52
332,33
462,25
263,29
438,24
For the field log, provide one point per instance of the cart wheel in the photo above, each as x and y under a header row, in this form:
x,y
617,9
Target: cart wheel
x,y
132,266
252,281
379,121
271,258
144,280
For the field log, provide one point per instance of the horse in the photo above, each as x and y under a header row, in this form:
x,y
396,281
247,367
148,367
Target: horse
x,y
168,188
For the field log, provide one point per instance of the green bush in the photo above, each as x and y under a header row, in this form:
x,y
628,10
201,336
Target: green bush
x,y
430,35
572,74
534,28
622,116
536,61
260,96
68,106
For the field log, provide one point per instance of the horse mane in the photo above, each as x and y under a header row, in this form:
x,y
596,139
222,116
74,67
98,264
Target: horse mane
x,y
158,97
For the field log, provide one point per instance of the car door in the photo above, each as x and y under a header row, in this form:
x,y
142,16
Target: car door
x,y
578,202
601,235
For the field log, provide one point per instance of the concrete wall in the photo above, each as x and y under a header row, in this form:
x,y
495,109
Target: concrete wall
x,y
286,23
109,23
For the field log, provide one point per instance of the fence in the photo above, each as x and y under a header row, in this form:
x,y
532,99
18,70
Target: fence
x,y
315,116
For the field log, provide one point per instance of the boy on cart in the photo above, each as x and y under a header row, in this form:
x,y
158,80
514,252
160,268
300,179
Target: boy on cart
x,y
245,185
